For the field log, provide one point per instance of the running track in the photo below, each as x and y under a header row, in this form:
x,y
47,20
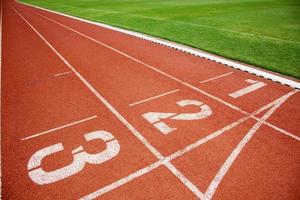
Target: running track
x,y
88,112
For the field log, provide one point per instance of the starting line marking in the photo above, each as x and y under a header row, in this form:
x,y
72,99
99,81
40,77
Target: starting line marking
x,y
58,128
216,77
154,97
234,154
137,134
183,151
62,74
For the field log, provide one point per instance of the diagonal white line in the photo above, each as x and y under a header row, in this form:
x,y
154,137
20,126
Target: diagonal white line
x,y
146,65
117,114
216,77
58,128
175,155
231,158
155,97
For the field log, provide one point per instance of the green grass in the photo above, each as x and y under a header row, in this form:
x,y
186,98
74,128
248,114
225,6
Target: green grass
x,y
264,33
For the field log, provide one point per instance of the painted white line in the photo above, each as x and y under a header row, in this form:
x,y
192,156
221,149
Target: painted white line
x,y
231,158
58,128
155,97
62,74
214,78
177,154
220,131
1,15
138,135
148,66
186,49
122,181
279,129
256,85
185,181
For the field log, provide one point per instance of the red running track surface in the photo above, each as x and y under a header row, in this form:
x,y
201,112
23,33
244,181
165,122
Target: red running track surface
x,y
88,112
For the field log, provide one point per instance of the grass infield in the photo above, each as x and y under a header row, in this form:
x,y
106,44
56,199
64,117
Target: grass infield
x,y
264,33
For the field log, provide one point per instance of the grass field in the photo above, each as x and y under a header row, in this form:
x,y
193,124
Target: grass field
x,y
262,33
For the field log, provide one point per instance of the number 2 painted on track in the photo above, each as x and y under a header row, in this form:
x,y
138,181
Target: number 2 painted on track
x,y
41,177
156,117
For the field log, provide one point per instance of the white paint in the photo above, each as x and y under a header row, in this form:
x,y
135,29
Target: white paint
x,y
186,49
231,158
223,130
279,129
62,74
155,97
138,135
216,77
185,181
58,128
41,177
255,86
1,15
123,181
149,66
175,155
156,117
204,113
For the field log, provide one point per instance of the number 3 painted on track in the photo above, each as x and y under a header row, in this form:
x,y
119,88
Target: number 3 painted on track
x,y
155,117
42,177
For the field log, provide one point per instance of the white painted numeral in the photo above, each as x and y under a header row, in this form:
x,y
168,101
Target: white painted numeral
x,y
41,177
156,117
255,86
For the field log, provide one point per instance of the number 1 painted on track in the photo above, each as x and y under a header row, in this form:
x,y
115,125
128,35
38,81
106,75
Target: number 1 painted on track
x,y
255,86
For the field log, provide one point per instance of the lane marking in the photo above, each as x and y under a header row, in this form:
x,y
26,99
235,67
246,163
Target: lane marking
x,y
231,158
148,66
62,74
187,49
59,128
176,154
1,98
279,129
123,181
255,86
154,97
216,77
138,135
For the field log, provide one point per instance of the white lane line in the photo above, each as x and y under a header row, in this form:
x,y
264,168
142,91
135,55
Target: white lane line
x,y
175,155
231,158
183,48
62,74
146,65
256,85
185,181
154,97
216,77
221,131
1,97
58,128
123,181
138,135
279,129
